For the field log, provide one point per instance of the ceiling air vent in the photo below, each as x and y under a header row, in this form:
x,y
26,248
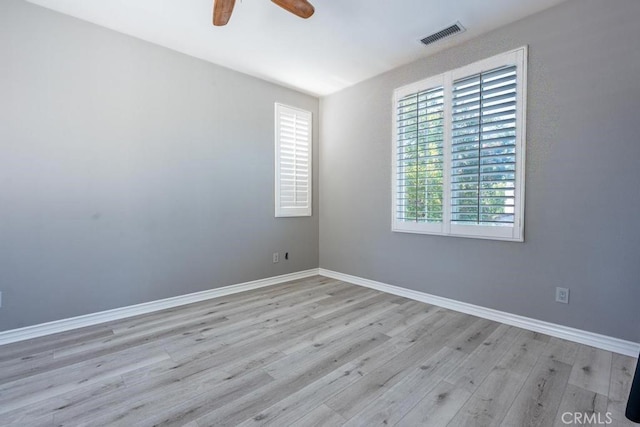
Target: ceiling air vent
x,y
447,32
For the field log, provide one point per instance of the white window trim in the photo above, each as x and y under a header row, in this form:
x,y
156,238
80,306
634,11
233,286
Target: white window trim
x,y
281,211
516,57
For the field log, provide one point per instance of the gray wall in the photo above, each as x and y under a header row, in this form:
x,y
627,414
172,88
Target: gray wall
x,y
129,172
582,226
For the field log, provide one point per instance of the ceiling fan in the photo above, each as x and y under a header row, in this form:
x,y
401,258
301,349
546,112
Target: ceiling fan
x,y
222,9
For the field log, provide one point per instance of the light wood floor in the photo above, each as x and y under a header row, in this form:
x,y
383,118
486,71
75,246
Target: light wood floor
x,y
315,352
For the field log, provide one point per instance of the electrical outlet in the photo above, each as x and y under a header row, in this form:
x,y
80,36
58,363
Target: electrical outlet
x,y
562,295
0,299
276,257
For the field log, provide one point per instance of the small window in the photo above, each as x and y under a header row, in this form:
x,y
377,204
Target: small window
x,y
458,151
293,144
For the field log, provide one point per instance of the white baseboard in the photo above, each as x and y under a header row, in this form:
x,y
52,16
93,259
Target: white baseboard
x,y
577,335
63,325
604,342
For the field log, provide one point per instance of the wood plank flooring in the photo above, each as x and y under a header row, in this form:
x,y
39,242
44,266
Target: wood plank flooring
x,y
313,352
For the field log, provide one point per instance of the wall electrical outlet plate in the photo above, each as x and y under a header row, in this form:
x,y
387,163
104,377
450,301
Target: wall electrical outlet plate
x,y
276,257
562,295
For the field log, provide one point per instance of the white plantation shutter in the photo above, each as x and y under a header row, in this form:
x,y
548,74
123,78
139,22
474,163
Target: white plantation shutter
x,y
293,161
419,157
483,175
459,163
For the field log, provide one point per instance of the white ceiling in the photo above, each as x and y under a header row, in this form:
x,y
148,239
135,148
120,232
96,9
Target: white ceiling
x,y
343,43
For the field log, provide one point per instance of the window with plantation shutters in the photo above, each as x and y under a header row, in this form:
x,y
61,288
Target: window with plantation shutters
x,y
459,146
293,144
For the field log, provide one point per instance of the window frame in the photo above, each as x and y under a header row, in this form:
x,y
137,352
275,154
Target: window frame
x,y
515,233
289,211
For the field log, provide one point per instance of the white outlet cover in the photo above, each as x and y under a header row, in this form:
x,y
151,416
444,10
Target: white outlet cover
x,y
562,295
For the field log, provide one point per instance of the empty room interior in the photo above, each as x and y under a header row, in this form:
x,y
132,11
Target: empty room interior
x,y
319,213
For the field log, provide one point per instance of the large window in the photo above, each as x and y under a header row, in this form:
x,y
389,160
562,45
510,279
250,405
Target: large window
x,y
458,151
293,146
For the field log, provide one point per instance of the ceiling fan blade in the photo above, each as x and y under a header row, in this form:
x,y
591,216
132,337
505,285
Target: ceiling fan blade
x,y
302,8
222,10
